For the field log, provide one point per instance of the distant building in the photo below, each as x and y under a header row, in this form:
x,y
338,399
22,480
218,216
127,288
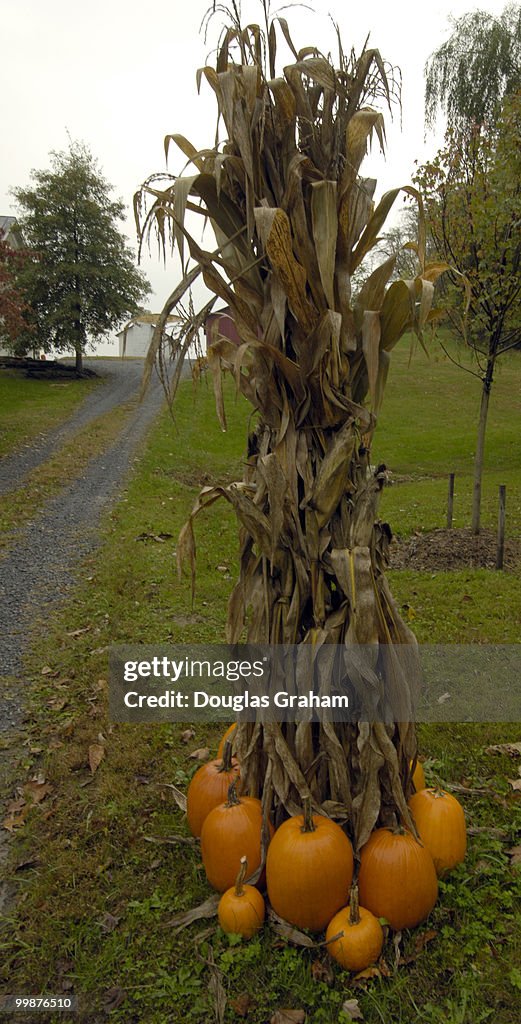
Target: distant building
x,y
10,232
134,339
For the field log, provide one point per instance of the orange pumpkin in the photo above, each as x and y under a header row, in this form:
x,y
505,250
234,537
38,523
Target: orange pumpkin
x,y
440,821
208,788
309,869
354,936
397,878
241,908
418,777
228,735
231,831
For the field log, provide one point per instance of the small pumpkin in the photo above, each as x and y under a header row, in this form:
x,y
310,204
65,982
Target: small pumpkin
x,y
208,788
440,820
418,777
230,831
397,878
354,936
241,908
309,869
228,735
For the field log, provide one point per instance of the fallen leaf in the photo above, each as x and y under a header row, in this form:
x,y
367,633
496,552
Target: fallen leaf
x,y
443,698
322,972
24,865
78,632
14,821
368,975
96,755
202,754
187,735
288,1017
516,784
177,794
37,791
515,855
113,998
287,931
512,749
242,1004
206,909
352,1007
47,670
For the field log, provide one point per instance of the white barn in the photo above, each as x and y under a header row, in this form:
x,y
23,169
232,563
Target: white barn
x,y
134,339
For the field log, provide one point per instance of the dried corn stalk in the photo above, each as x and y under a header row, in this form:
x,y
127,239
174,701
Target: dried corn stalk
x,y
293,219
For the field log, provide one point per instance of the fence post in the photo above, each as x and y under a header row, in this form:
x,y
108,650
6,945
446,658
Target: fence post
x,y
450,501
500,550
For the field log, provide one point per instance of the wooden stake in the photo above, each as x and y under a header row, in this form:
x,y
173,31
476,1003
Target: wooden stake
x,y
450,501
500,550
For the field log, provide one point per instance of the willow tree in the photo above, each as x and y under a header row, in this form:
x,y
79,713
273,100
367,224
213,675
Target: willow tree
x,y
293,220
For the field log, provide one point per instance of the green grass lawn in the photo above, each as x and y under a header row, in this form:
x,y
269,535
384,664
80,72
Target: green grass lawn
x,y
29,407
98,875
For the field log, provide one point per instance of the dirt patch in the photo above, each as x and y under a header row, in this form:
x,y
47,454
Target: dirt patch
x,y
452,549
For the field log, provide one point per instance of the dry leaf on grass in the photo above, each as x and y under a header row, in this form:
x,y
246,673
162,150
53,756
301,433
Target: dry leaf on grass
x,y
369,974
36,790
288,931
515,855
242,1004
322,971
206,909
187,735
96,755
512,749
202,754
352,1007
177,794
516,784
113,998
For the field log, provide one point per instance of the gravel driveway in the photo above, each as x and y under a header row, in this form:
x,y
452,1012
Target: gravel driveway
x,y
121,381
39,570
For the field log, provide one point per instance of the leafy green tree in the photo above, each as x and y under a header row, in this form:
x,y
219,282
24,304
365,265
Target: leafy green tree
x,y
470,74
82,282
472,193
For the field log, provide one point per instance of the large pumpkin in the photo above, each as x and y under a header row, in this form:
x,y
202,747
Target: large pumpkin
x,y
397,878
354,936
231,831
241,908
309,869
208,788
440,821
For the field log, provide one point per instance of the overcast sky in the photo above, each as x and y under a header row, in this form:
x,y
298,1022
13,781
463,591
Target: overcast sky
x,y
119,76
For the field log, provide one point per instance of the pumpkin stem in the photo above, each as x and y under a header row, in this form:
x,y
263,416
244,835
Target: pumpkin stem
x,y
354,911
308,825
226,764
233,799
243,871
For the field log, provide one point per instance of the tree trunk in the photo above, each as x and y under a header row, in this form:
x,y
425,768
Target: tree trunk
x,y
79,360
480,447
